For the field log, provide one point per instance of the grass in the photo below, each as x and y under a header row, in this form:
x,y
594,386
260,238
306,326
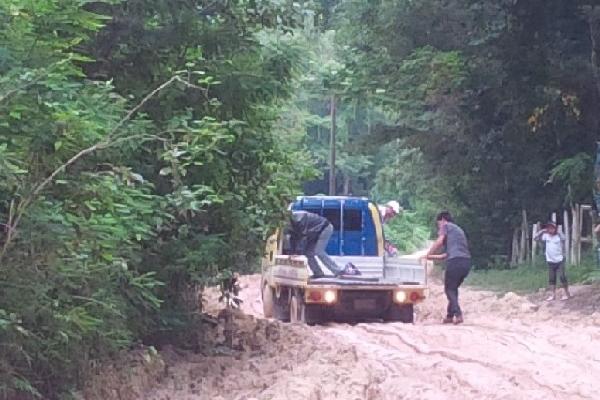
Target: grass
x,y
528,278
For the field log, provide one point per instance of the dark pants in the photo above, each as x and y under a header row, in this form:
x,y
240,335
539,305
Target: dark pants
x,y
555,269
457,270
315,247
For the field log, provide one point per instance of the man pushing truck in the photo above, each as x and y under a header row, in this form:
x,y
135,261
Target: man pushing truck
x,y
452,239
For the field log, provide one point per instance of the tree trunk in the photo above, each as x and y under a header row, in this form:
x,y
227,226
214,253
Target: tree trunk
x,y
346,185
332,141
594,24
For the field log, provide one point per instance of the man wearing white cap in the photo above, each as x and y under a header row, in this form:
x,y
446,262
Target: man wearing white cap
x,y
389,211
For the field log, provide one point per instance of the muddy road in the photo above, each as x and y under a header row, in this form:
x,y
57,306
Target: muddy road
x,y
510,347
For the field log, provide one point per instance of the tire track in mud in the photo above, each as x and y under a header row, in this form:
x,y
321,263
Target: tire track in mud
x,y
500,354
375,333
375,337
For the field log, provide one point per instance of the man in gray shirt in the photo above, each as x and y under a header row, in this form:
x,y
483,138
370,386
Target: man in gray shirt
x,y
458,262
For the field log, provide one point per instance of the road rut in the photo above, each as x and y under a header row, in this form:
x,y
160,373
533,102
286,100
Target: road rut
x,y
510,347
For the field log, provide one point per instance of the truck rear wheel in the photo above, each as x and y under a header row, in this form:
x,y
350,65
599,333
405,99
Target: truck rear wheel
x,y
400,313
267,300
297,308
301,312
316,314
281,304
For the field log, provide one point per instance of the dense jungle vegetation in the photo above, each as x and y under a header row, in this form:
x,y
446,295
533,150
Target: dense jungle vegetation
x,y
148,146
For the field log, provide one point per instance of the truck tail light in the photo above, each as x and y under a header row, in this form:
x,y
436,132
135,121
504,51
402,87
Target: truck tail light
x,y
330,296
400,296
315,295
327,296
415,296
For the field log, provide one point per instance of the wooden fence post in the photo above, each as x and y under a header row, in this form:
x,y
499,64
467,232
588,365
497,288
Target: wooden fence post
x,y
523,244
594,236
535,228
579,231
514,256
573,234
567,233
525,228
575,231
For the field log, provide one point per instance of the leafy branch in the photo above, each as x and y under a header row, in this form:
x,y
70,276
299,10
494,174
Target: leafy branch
x,y
16,212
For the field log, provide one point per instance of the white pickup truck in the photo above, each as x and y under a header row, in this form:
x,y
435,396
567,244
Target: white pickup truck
x,y
387,288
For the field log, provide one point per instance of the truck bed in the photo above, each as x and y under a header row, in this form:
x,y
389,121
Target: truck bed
x,y
376,271
354,281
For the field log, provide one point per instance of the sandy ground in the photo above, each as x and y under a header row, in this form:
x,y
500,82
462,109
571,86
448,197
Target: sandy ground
x,y
510,347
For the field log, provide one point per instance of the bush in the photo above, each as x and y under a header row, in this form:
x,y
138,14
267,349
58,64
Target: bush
x,y
407,232
529,278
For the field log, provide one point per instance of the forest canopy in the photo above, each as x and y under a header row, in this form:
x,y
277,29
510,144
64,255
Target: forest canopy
x,y
147,147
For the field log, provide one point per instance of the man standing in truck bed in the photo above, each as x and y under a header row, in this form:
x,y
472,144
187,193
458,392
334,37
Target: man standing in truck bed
x,y
387,212
315,231
458,262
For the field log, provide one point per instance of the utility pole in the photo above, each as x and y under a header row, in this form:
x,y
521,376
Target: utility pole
x,y
332,147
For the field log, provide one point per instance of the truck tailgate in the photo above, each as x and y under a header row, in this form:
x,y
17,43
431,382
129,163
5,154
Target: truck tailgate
x,y
406,270
370,267
347,281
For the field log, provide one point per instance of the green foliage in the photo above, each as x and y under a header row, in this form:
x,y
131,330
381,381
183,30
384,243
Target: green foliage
x,y
527,278
482,104
574,173
141,158
147,147
408,232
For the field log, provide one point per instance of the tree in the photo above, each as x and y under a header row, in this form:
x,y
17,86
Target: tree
x,y
486,92
139,160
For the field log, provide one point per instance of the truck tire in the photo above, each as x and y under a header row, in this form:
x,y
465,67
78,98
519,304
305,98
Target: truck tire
x,y
267,300
316,314
281,304
301,312
297,308
400,313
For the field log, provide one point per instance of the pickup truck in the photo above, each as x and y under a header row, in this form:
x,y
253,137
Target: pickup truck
x,y
387,288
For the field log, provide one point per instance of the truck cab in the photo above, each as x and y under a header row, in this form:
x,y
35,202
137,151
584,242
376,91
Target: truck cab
x,y
387,288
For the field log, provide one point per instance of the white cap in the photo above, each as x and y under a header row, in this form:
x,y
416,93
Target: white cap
x,y
394,205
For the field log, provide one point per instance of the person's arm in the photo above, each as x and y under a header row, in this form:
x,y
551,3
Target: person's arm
x,y
437,257
294,232
563,243
437,245
538,235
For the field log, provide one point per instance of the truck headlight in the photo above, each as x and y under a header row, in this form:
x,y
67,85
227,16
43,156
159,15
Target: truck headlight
x,y
330,296
400,296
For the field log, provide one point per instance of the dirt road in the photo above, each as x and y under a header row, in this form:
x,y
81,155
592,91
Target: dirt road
x,y
510,347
